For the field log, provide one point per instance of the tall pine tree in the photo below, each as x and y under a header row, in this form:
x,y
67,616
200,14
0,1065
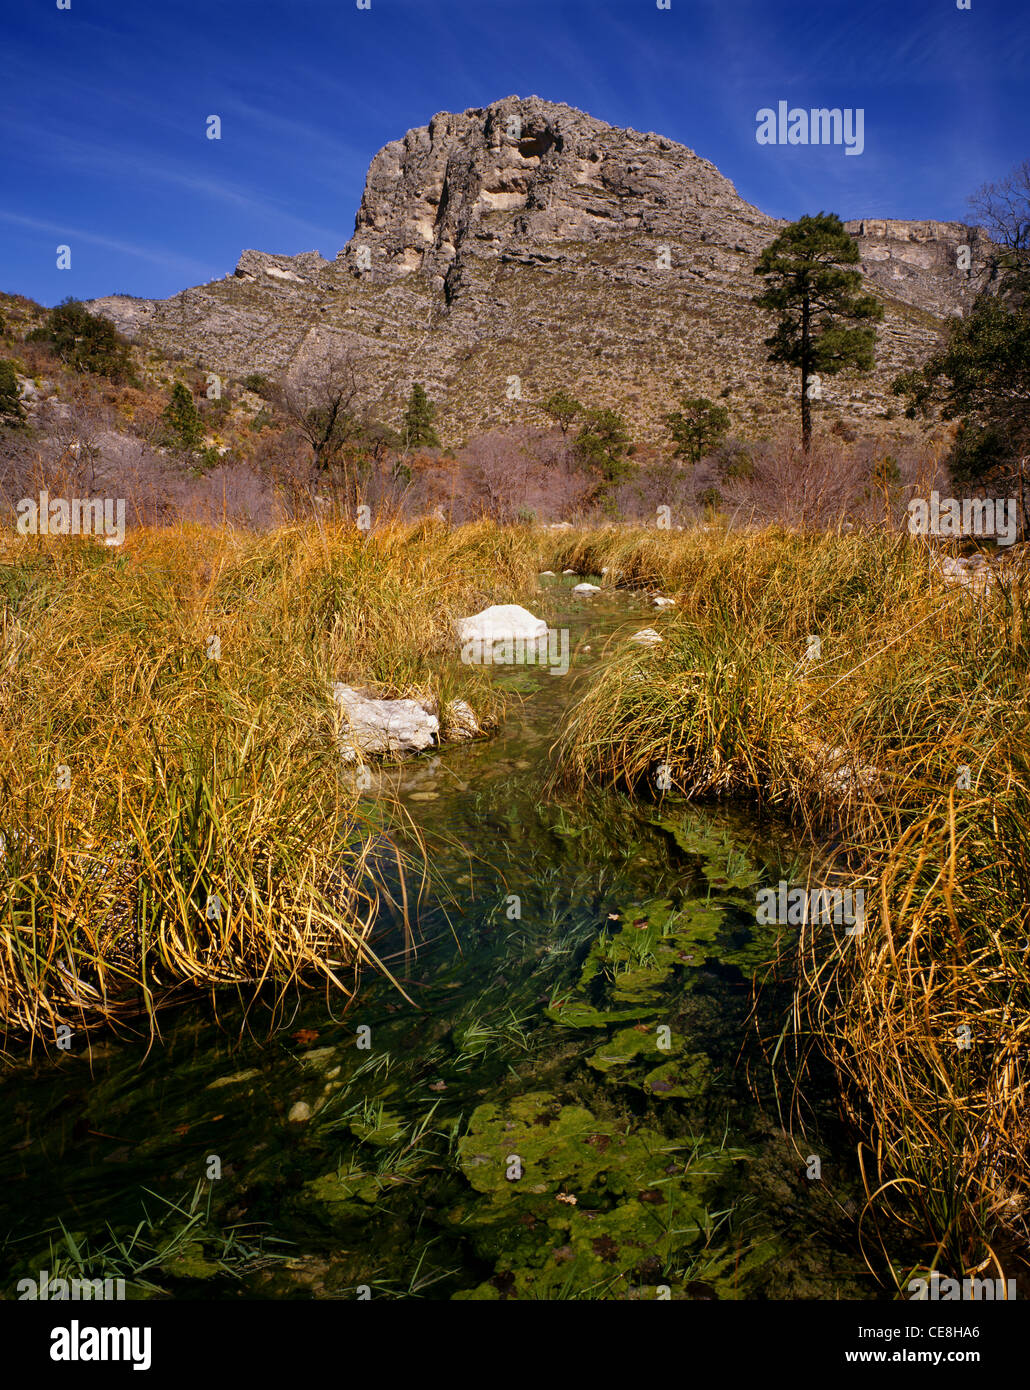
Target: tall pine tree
x,y
820,305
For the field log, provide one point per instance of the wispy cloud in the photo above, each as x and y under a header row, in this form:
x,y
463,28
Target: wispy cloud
x,y
69,235
30,142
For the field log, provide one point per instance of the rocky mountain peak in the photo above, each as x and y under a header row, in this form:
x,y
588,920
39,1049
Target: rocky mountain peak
x,y
507,178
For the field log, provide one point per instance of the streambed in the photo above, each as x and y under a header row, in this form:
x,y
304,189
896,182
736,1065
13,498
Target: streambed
x,y
572,1104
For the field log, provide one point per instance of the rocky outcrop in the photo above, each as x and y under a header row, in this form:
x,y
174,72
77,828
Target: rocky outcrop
x,y
506,251
514,182
920,262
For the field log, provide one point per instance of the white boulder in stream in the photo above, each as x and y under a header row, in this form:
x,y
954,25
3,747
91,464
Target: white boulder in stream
x,y
503,622
659,602
647,637
587,589
382,726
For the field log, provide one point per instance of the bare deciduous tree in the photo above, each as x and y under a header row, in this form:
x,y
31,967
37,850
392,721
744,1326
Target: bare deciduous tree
x,y
1003,210
325,405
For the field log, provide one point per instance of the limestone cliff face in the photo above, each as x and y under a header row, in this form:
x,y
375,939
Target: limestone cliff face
x,y
506,251
919,261
511,180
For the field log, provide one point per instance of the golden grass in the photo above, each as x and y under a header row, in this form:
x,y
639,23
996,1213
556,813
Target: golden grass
x,y
172,805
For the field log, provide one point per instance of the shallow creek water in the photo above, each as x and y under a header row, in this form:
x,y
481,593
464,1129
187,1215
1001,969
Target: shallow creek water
x,y
572,1105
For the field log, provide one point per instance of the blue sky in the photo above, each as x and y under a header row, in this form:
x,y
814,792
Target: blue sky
x,y
105,104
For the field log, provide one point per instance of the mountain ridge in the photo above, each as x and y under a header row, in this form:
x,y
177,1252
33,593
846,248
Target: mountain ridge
x,y
505,251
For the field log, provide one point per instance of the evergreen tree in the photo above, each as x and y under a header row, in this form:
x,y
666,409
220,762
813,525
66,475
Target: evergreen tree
x,y
185,427
698,427
85,342
12,411
563,409
418,420
818,301
603,447
980,377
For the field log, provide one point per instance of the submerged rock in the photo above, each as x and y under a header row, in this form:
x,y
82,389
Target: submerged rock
x,y
587,589
234,1080
372,726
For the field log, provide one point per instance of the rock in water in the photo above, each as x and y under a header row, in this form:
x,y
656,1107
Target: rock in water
x,y
381,727
587,589
501,623
647,637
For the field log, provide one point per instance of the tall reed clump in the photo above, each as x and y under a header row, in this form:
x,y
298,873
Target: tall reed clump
x,y
836,677
173,811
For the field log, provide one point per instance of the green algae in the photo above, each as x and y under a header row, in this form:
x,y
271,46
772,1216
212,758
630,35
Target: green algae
x,y
534,1146
624,1047
347,1187
578,1207
685,1078
579,1013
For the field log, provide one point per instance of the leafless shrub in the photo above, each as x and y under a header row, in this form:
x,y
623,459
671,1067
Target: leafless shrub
x,y
867,483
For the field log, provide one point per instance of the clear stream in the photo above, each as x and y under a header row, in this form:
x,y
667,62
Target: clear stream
x,y
573,1105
